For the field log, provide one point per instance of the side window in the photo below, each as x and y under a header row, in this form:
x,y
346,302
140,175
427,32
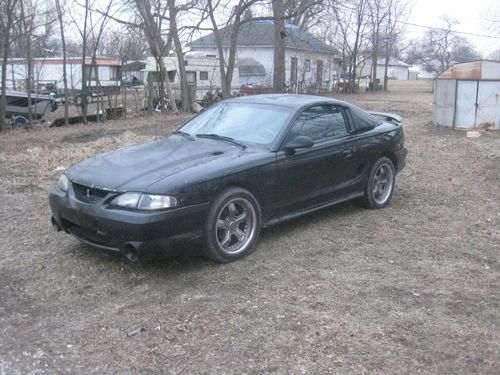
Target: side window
x,y
203,76
320,123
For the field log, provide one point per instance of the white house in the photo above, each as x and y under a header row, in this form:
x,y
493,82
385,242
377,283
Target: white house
x,y
396,69
420,72
48,72
202,71
309,61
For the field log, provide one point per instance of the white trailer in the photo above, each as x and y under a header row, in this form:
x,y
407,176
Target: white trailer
x,y
50,71
203,72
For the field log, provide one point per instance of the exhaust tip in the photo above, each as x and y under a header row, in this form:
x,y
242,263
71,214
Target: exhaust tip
x,y
131,253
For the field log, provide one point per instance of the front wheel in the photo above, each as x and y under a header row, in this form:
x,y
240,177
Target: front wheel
x,y
233,225
380,186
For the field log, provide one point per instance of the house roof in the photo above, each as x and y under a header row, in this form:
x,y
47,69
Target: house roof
x,y
250,67
261,34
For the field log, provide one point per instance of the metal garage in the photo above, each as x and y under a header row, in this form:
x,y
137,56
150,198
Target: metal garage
x,y
467,96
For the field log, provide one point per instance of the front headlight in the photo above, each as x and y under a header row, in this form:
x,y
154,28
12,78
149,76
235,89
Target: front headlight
x,y
63,183
127,200
156,202
144,201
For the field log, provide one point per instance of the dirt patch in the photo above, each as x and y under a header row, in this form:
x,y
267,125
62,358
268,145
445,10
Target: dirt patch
x,y
412,288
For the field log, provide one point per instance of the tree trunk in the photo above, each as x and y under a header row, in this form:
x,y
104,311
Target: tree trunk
x,y
152,30
27,29
220,49
375,60
186,105
83,93
9,8
231,61
65,74
279,73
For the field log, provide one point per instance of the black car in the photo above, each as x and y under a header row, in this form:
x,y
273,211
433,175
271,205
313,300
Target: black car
x,y
239,166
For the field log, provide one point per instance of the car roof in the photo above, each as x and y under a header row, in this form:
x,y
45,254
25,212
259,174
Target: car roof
x,y
287,100
360,118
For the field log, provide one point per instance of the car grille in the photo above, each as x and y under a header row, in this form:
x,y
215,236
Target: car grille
x,y
87,194
89,235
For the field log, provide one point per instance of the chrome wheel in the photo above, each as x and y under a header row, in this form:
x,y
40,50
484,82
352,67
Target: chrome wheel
x,y
236,226
383,182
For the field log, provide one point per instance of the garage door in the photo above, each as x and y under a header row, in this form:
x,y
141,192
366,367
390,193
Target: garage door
x,y
488,109
466,104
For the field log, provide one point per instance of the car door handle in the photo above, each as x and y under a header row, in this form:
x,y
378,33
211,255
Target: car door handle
x,y
346,154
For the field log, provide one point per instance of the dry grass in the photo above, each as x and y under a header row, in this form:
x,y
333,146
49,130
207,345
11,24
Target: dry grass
x,y
412,288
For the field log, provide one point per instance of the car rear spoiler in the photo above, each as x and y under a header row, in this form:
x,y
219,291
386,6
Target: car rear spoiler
x,y
390,117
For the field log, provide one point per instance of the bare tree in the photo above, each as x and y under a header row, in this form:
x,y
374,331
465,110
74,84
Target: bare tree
x,y
174,32
379,11
215,10
7,19
28,31
398,11
306,14
279,72
84,35
152,27
438,43
442,47
60,16
351,20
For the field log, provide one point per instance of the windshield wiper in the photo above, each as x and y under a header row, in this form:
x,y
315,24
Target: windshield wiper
x,y
184,134
222,138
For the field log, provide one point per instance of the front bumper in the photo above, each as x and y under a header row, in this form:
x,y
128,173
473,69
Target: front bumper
x,y
135,234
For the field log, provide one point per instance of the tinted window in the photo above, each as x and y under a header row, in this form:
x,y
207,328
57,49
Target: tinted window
x,y
320,123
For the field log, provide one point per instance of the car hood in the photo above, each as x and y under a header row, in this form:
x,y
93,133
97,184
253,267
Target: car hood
x,y
137,167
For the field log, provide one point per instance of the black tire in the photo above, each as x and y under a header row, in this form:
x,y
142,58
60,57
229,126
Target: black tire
x,y
229,234
20,122
380,186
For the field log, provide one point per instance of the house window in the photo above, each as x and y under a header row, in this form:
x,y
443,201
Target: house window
x,y
203,76
191,77
113,73
293,70
89,73
319,72
307,66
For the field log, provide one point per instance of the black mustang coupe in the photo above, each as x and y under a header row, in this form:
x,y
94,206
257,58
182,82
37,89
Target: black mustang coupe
x,y
239,166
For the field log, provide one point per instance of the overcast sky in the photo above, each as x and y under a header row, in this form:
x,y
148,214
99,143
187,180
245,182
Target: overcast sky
x,y
469,13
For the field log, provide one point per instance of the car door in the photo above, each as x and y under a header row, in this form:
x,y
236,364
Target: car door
x,y
323,172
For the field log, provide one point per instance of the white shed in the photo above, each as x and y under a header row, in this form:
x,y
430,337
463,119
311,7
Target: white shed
x,y
467,96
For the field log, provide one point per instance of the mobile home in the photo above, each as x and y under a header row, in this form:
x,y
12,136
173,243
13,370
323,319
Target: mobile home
x,y
202,71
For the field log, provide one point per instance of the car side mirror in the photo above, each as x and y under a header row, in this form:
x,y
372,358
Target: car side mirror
x,y
298,142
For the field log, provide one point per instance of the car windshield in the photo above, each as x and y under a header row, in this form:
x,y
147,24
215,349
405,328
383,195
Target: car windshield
x,y
243,122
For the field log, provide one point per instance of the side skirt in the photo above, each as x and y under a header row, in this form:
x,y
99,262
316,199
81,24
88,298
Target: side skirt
x,y
295,214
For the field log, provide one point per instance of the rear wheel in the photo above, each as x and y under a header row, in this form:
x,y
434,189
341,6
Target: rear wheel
x,y
20,122
233,226
380,186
